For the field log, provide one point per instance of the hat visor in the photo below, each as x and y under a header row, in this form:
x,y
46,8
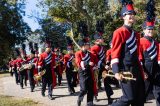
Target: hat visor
x,y
129,12
86,43
149,27
69,49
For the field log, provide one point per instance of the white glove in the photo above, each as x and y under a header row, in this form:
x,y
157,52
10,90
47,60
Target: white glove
x,y
106,67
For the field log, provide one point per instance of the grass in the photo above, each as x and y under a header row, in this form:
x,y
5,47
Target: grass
x,y
4,74
11,101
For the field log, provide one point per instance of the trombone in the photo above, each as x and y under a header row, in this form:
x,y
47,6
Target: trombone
x,y
126,75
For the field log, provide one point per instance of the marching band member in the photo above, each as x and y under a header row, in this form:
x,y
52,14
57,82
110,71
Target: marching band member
x,y
20,62
11,66
68,58
47,62
36,48
125,59
32,61
108,80
99,50
32,68
85,62
16,73
58,69
149,54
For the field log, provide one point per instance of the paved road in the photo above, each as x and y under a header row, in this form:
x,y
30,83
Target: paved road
x,y
62,98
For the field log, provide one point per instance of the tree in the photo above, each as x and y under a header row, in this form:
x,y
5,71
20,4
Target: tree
x,y
13,30
73,11
55,32
90,11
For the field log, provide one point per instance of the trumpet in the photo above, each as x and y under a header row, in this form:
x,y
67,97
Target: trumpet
x,y
38,77
126,75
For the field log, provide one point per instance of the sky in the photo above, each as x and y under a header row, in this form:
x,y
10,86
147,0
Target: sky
x,y
30,7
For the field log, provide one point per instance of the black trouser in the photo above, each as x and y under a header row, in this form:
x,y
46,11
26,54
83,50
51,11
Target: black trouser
x,y
153,83
59,76
115,82
133,91
17,79
108,88
156,88
23,78
47,80
31,79
86,86
100,76
156,92
75,79
69,76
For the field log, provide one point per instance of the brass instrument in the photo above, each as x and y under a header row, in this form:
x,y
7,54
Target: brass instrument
x,y
38,77
126,75
74,65
10,69
25,66
57,63
96,72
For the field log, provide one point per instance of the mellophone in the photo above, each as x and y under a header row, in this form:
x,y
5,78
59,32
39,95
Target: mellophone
x,y
25,66
126,75
38,77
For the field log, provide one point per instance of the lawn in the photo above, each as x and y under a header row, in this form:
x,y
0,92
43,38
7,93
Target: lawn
x,y
4,74
12,101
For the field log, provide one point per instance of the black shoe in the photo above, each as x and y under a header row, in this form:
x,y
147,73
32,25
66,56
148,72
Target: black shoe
x,y
78,103
43,94
90,104
100,88
50,97
73,91
22,87
110,101
32,90
70,93
96,99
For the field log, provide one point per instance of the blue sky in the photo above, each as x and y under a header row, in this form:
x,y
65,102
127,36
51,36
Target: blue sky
x,y
30,8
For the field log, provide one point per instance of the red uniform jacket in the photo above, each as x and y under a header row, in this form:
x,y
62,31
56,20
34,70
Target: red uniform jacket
x,y
122,37
19,62
14,63
99,52
34,61
11,64
67,59
79,55
108,55
147,46
46,58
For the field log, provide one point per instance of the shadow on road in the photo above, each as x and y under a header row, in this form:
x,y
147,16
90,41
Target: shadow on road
x,y
60,96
